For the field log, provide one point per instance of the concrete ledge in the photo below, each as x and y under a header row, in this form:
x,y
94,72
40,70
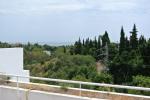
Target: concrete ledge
x,y
84,92
13,93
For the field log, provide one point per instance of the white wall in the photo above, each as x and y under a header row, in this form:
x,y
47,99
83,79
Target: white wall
x,y
11,62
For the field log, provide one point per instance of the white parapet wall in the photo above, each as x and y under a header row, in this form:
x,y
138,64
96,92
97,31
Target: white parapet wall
x,y
11,62
12,93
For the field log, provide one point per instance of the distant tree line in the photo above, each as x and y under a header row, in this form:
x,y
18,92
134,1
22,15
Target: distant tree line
x,y
89,46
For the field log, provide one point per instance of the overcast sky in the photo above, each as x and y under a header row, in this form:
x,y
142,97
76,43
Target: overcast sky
x,y
67,20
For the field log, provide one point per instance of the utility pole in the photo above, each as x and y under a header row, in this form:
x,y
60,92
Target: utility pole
x,y
106,54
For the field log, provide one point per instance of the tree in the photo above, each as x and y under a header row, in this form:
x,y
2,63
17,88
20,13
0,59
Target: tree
x,y
105,39
99,42
140,81
95,42
91,44
78,47
122,41
142,40
83,42
87,42
133,38
120,69
71,50
103,78
127,44
64,49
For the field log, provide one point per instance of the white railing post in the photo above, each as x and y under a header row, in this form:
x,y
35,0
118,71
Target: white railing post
x,y
18,95
17,82
80,94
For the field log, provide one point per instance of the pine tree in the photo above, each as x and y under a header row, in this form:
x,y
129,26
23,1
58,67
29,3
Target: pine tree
x,y
133,38
122,41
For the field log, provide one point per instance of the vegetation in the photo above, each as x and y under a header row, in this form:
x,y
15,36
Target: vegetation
x,y
127,62
4,79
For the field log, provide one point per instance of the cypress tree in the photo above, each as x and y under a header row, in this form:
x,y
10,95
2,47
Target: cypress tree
x,y
91,44
95,43
127,44
87,42
84,47
122,41
133,38
83,42
99,42
105,39
78,47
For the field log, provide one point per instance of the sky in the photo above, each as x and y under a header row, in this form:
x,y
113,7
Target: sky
x,y
64,21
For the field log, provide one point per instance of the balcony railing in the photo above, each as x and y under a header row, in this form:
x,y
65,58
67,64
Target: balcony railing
x,y
80,83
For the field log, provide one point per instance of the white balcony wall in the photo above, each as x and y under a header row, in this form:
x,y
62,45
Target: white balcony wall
x,y
11,62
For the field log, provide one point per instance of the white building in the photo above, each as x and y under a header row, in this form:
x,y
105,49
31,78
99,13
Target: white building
x,y
11,62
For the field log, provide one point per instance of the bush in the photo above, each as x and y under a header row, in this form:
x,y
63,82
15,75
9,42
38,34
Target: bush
x,y
140,81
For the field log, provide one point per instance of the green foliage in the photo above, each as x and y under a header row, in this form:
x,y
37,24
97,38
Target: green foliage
x,y
124,66
90,47
36,55
103,78
78,47
140,81
4,45
4,79
113,50
122,41
105,39
64,49
65,67
133,38
127,61
49,48
64,87
82,78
